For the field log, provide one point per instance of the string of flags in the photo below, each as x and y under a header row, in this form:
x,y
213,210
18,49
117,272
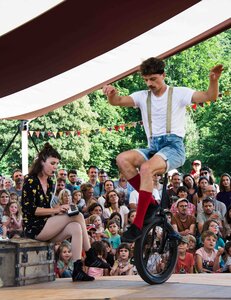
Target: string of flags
x,y
103,130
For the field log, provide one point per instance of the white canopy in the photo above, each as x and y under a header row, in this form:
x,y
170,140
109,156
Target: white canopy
x,y
196,23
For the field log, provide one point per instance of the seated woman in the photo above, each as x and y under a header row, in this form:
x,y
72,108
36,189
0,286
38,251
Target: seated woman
x,y
190,183
43,223
87,191
114,204
227,225
201,193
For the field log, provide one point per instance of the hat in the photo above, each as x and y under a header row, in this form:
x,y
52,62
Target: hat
x,y
181,200
91,226
196,162
184,239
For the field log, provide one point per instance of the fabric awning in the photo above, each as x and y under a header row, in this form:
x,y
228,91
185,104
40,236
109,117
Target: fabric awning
x,y
74,49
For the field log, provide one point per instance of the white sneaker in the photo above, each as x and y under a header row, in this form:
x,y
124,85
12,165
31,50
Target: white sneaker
x,y
4,239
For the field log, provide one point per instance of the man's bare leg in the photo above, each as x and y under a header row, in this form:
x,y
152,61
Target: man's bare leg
x,y
128,163
156,165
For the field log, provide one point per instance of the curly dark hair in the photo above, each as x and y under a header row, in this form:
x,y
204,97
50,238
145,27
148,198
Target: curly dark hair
x,y
99,248
194,182
107,203
151,66
47,151
123,246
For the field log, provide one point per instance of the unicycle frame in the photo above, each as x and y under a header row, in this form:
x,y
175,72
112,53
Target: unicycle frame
x,y
141,261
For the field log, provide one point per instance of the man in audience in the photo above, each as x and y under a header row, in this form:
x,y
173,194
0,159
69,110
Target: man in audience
x,y
172,191
219,206
18,182
182,222
209,212
60,185
92,173
102,178
62,173
196,167
72,177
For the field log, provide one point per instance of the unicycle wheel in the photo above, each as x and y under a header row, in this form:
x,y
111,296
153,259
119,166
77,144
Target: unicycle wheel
x,y
155,253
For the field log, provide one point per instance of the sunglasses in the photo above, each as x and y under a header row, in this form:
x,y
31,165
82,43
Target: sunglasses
x,y
204,173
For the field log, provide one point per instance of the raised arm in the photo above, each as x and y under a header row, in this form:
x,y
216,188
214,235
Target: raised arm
x,y
116,100
212,93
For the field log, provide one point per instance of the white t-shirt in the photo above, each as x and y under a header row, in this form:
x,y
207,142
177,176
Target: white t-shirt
x,y
182,96
101,200
227,264
135,195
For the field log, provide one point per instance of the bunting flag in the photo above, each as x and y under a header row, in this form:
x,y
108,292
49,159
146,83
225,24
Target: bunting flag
x,y
102,130
84,131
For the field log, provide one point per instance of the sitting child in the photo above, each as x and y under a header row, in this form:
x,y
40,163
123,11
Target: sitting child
x,y
122,265
131,217
79,201
207,257
100,250
227,258
12,221
185,261
97,222
110,256
114,239
65,264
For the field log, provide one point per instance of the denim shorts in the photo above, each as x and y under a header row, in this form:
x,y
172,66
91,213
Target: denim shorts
x,y
169,147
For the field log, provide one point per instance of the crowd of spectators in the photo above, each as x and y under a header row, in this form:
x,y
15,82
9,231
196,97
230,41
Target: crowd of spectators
x,y
198,208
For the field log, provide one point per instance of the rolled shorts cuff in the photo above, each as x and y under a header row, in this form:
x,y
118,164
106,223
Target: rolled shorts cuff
x,y
159,153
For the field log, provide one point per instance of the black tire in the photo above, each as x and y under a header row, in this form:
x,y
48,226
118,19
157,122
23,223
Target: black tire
x,y
155,254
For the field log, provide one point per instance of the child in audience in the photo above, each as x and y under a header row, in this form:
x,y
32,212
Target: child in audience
x,y
4,199
116,217
156,262
97,222
110,256
12,221
207,258
91,230
78,200
114,239
213,225
169,215
65,264
185,262
14,197
122,265
192,245
227,258
100,251
131,217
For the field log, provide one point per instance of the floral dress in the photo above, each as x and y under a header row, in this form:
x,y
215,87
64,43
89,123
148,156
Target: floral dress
x,y
32,197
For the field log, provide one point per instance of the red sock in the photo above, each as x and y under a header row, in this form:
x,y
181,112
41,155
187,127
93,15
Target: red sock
x,y
135,182
145,198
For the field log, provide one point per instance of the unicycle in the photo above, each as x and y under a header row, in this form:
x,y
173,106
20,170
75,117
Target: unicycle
x,y
155,253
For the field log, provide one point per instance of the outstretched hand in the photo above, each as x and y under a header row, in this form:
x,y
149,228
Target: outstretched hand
x,y
215,72
109,90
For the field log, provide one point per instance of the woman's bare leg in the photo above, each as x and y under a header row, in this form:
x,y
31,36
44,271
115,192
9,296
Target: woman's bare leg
x,y
86,241
61,227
